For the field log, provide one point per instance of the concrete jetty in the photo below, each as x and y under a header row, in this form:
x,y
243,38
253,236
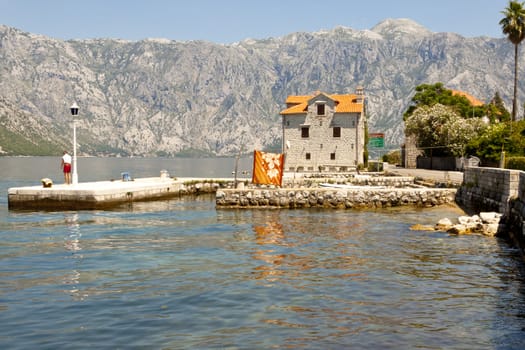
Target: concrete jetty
x,y
297,192
104,194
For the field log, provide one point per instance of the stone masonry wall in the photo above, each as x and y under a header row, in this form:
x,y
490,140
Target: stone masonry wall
x,y
516,214
333,198
500,190
488,189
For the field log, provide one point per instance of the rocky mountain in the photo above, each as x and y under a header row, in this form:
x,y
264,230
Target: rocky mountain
x,y
164,97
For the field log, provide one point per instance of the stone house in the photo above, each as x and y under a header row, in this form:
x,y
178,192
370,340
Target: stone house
x,y
323,132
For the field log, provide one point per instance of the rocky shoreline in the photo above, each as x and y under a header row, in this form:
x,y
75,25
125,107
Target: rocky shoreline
x,y
486,223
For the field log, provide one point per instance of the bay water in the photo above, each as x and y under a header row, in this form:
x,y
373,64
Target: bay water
x,y
181,274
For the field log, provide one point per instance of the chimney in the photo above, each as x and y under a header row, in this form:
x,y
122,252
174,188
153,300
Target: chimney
x,y
359,91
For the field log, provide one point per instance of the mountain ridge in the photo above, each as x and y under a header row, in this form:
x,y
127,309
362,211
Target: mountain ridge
x,y
164,97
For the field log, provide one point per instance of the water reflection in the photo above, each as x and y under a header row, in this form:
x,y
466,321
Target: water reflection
x,y
300,249
72,244
381,279
268,234
198,201
182,274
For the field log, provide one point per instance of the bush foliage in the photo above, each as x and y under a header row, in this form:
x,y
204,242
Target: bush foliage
x,y
393,157
517,163
508,137
441,131
447,124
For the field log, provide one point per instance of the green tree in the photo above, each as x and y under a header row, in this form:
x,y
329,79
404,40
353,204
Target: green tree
x,y
431,94
496,111
496,138
489,144
513,25
441,131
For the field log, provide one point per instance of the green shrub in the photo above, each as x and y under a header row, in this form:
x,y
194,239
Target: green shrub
x,y
393,157
375,166
517,163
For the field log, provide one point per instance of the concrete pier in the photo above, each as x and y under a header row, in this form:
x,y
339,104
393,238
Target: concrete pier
x,y
104,194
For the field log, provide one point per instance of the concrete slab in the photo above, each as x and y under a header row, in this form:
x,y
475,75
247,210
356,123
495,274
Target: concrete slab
x,y
93,195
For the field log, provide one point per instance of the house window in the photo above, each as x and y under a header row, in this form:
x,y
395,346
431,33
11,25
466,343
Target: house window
x,y
305,132
337,131
320,109
332,156
308,156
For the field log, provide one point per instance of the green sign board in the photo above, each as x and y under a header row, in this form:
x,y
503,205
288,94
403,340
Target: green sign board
x,y
376,140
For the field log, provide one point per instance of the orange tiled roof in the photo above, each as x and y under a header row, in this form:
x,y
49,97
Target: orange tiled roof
x,y
473,101
344,104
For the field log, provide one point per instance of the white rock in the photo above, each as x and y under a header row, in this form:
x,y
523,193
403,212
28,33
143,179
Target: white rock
x,y
490,217
490,229
443,224
445,221
475,219
459,229
464,220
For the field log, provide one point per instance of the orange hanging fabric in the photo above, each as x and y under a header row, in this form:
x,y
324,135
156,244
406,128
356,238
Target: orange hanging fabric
x,y
267,168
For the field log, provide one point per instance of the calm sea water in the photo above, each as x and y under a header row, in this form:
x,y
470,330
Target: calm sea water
x,y
180,274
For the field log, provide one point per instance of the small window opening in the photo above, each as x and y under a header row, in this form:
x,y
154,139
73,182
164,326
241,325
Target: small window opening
x,y
305,132
320,109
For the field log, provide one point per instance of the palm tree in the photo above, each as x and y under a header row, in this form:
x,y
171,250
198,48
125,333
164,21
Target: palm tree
x,y
513,25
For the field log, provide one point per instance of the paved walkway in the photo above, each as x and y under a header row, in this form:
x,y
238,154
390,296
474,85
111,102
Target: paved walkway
x,y
434,175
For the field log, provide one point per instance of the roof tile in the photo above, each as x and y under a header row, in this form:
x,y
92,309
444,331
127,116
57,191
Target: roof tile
x,y
473,101
344,104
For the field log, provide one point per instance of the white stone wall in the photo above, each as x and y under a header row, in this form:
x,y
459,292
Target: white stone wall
x,y
321,143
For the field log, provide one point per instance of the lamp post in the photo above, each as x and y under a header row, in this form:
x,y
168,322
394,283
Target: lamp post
x,y
74,113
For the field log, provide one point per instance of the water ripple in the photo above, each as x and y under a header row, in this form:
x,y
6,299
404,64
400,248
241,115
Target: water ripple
x,y
181,275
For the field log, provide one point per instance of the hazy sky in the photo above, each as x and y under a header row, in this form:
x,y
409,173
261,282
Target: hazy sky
x,y
228,21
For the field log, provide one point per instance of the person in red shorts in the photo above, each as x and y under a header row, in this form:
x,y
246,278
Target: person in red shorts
x,y
65,164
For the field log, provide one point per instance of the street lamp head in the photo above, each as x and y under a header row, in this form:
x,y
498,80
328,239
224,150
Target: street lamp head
x,y
74,109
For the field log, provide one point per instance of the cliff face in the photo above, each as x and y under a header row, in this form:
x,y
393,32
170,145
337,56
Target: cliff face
x,y
156,97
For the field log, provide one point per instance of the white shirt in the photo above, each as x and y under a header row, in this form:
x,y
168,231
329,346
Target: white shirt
x,y
66,158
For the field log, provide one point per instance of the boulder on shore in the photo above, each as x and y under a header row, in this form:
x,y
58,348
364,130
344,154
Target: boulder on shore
x,y
487,224
443,224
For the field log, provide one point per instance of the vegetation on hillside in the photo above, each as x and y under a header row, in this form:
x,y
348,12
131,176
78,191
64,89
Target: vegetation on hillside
x,y
17,145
